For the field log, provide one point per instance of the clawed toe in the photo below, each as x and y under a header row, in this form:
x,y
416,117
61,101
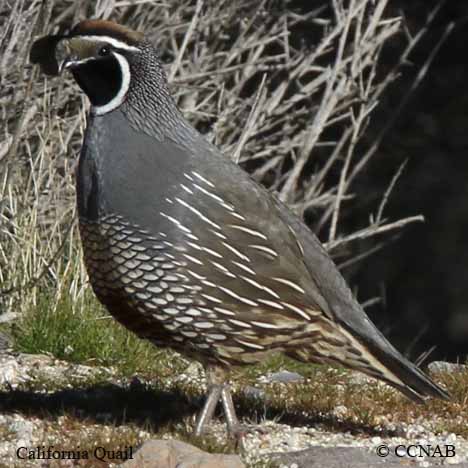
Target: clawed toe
x,y
239,432
244,429
236,431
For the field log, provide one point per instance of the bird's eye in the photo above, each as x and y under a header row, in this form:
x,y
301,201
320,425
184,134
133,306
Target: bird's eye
x,y
104,50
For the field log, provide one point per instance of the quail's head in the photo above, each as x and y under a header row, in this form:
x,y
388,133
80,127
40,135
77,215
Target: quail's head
x,y
106,60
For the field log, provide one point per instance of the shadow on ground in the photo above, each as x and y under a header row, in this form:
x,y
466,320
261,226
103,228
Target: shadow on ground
x,y
103,403
148,407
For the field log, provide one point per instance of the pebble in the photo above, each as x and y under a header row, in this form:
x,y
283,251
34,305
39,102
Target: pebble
x,y
254,392
9,371
283,376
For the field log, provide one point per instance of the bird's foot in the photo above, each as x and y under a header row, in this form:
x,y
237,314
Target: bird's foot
x,y
219,391
244,429
239,432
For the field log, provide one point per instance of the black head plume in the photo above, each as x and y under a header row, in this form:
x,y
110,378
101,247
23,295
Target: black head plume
x,y
117,68
98,53
43,54
50,51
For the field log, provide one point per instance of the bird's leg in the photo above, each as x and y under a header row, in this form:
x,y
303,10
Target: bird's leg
x,y
206,414
229,411
218,389
215,375
234,429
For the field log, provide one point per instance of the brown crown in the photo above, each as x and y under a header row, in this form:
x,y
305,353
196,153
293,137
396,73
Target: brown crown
x,y
107,28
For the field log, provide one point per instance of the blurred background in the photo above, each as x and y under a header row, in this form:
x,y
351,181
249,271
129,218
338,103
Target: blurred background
x,y
423,274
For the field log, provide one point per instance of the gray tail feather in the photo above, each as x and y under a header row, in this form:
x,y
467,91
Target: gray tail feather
x,y
415,383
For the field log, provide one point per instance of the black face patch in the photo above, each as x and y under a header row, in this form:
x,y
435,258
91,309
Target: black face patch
x,y
100,79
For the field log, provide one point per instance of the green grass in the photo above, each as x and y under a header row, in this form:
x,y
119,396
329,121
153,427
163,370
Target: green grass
x,y
85,333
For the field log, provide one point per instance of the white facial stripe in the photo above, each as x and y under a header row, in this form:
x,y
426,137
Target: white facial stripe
x,y
120,96
112,41
77,62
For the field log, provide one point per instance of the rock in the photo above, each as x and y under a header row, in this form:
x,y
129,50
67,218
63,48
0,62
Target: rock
x,y
16,369
176,454
449,367
5,342
254,392
340,457
283,377
23,430
350,457
340,411
8,317
193,373
194,370
359,378
10,372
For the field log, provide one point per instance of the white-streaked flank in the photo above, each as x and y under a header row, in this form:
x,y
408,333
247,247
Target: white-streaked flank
x,y
212,252
297,310
289,283
236,252
192,259
264,325
214,197
273,304
198,213
200,177
239,323
265,249
260,286
184,187
244,267
231,293
176,222
224,311
248,231
248,344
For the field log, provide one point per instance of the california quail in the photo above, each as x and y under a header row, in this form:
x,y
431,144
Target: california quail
x,y
187,251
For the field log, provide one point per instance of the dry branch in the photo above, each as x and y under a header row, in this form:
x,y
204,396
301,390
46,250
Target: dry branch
x,y
292,112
